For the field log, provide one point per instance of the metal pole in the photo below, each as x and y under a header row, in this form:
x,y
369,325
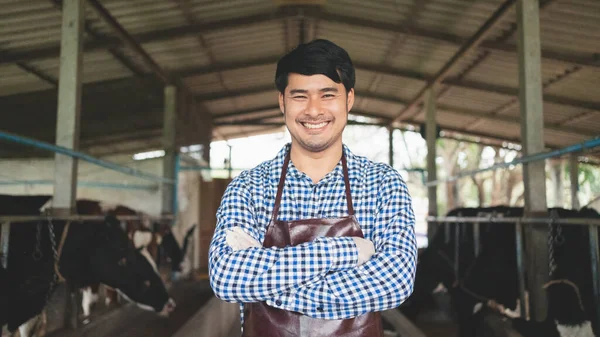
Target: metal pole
x,y
176,188
75,154
557,181
430,138
456,250
169,146
532,135
595,260
4,243
69,105
574,177
476,239
525,159
520,268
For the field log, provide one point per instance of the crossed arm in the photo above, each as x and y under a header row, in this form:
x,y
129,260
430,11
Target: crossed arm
x,y
325,271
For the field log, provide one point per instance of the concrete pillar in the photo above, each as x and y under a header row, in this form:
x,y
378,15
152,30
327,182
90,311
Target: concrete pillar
x,y
532,135
170,148
391,146
430,137
69,106
574,177
557,182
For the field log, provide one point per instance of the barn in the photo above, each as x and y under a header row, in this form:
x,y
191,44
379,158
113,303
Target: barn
x,y
123,123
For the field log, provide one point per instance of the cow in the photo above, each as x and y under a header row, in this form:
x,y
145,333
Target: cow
x,y
491,278
87,252
150,243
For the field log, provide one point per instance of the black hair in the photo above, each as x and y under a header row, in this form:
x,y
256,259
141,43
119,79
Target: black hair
x,y
316,57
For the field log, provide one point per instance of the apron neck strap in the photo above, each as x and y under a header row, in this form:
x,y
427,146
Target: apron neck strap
x,y
282,183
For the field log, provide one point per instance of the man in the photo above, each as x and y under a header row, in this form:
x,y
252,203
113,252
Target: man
x,y
289,240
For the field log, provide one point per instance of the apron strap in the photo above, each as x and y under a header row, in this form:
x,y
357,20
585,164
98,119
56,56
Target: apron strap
x,y
286,162
280,187
347,184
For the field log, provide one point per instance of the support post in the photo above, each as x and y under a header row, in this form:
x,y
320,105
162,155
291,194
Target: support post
x,y
532,127
170,148
391,146
557,182
4,243
574,177
69,106
430,137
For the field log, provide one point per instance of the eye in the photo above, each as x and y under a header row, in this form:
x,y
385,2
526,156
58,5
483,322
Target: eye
x,y
328,96
122,262
299,97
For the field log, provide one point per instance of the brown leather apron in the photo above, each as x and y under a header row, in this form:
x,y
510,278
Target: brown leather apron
x,y
261,320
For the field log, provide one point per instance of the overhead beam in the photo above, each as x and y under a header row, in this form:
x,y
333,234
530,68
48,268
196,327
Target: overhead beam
x,y
383,69
130,42
471,44
38,73
448,38
442,107
236,93
149,37
115,52
193,30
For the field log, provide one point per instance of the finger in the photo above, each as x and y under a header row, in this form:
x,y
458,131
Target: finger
x,y
248,239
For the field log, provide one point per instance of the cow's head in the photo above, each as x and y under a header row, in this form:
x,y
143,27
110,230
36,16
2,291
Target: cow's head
x,y
112,259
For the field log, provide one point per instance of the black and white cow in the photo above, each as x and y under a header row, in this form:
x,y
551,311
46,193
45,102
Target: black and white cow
x,y
91,252
492,276
149,243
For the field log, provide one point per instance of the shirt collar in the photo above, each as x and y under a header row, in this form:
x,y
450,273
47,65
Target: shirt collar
x,y
337,172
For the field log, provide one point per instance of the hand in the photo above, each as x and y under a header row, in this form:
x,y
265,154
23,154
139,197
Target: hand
x,y
238,239
365,249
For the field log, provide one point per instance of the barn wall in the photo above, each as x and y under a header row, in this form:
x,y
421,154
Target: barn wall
x,y
43,169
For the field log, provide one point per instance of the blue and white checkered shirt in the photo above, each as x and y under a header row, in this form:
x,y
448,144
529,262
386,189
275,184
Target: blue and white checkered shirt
x,y
319,279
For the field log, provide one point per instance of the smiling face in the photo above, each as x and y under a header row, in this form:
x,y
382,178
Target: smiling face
x,y
315,111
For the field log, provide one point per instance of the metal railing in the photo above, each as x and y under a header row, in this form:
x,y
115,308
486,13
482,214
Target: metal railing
x,y
519,222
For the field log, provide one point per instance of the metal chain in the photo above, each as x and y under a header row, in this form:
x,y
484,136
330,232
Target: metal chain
x,y
559,239
54,280
551,242
37,253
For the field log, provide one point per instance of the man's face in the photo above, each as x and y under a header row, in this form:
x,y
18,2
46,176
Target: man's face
x,y
315,110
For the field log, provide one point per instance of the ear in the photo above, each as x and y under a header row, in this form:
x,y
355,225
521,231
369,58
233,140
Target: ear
x,y
281,103
350,99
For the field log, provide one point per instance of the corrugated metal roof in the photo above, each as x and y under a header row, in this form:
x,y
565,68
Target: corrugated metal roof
x,y
225,52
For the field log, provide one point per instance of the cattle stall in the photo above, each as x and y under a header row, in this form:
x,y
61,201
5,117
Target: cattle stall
x,y
86,85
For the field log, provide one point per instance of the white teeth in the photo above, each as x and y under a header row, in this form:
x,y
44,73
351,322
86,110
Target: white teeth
x,y
314,126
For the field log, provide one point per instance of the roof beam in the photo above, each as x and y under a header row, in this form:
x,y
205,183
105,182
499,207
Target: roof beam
x,y
418,32
232,94
442,107
193,30
470,85
152,36
245,112
117,53
471,44
40,74
130,42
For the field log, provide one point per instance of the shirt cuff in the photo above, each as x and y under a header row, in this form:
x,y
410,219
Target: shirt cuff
x,y
342,252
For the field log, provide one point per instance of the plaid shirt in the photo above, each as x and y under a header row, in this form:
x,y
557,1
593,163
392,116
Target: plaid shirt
x,y
319,279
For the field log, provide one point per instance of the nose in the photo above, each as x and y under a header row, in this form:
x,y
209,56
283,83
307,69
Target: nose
x,y
314,107
168,308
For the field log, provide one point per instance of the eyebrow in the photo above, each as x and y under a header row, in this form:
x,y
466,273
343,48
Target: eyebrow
x,y
304,91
